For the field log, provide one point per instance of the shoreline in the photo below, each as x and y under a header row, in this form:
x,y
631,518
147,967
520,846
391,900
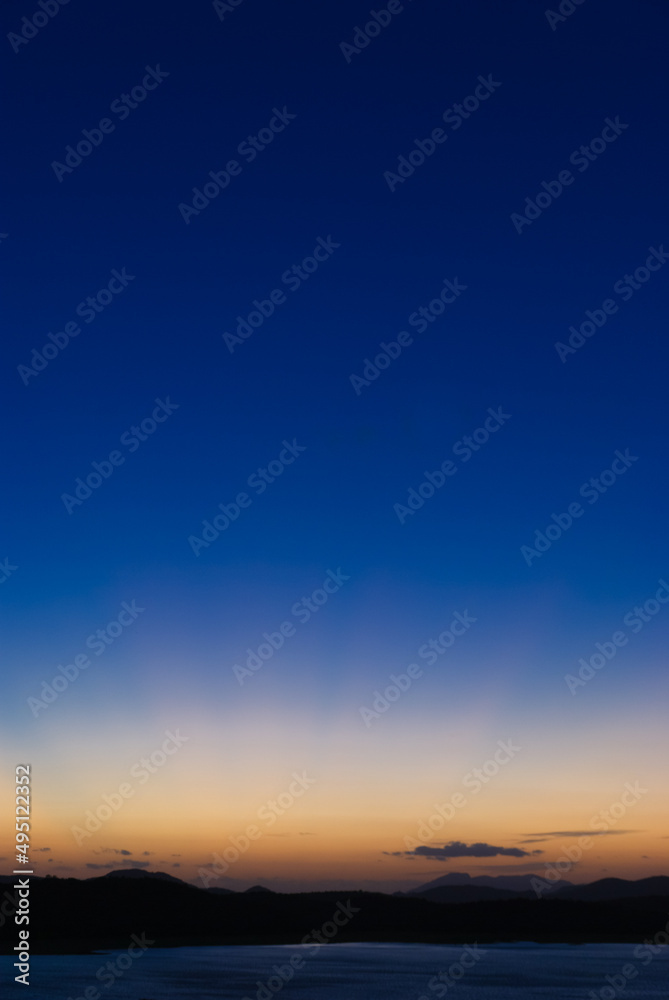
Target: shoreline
x,y
75,948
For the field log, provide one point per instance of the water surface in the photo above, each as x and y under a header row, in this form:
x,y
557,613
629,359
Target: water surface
x,y
349,972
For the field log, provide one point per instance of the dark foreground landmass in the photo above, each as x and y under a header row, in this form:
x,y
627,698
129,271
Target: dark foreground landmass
x,y
79,916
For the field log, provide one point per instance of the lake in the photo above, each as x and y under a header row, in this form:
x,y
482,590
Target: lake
x,y
350,971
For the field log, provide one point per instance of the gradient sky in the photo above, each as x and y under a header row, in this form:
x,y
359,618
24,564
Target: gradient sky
x,y
333,508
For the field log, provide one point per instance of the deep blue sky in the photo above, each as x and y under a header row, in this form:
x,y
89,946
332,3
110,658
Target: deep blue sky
x,y
323,177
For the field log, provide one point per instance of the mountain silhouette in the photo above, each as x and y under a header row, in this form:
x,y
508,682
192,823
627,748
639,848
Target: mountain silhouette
x,y
141,873
618,888
70,915
514,883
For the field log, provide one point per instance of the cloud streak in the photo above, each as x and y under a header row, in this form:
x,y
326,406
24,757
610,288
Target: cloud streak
x,y
578,833
116,864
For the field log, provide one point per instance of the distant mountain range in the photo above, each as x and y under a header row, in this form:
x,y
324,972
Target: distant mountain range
x,y
459,887
455,887
514,883
70,915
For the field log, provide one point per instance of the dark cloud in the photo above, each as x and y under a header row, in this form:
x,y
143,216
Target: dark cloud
x,y
176,864
38,850
456,849
538,840
146,854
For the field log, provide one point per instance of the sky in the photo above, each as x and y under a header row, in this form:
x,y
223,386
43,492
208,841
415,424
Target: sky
x,y
334,368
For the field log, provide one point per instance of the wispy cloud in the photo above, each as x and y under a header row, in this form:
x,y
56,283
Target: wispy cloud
x,y
579,833
117,864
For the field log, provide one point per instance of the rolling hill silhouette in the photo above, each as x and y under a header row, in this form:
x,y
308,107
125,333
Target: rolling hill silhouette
x,y
76,916
618,888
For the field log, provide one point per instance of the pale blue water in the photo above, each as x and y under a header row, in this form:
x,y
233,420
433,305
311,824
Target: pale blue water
x,y
350,972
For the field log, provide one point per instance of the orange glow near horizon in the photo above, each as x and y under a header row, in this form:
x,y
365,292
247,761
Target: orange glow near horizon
x,y
349,801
